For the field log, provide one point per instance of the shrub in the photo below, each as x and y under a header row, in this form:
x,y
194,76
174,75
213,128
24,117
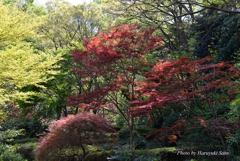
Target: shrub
x,y
9,111
124,134
8,152
153,143
122,154
25,140
101,156
68,137
32,127
233,144
26,150
158,122
124,137
119,121
127,154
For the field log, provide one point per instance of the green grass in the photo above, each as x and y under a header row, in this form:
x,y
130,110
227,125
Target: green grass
x,y
102,155
157,151
28,145
94,148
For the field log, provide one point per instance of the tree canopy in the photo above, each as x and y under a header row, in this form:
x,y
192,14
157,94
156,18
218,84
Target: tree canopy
x,y
164,73
21,66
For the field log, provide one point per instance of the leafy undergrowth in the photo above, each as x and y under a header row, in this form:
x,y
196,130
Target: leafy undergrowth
x,y
26,149
99,155
25,140
124,153
156,151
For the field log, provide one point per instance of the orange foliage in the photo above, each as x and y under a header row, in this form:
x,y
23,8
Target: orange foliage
x,y
181,81
218,126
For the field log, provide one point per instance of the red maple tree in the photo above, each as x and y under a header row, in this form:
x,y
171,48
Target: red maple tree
x,y
182,81
116,58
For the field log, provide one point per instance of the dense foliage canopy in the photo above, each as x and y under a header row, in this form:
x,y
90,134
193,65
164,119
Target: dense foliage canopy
x,y
164,73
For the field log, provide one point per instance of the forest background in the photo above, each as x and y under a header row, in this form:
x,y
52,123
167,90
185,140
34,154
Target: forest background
x,y
128,79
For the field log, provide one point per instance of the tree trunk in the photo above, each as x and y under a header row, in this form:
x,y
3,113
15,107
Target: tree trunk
x,y
224,147
65,111
58,115
103,113
132,138
84,152
131,133
95,111
76,111
223,142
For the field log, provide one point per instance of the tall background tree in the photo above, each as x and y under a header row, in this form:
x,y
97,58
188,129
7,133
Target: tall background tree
x,y
21,65
66,26
174,19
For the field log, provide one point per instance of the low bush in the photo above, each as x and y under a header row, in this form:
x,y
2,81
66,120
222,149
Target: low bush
x,y
124,138
27,150
32,127
124,153
101,156
233,145
25,140
8,152
68,137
